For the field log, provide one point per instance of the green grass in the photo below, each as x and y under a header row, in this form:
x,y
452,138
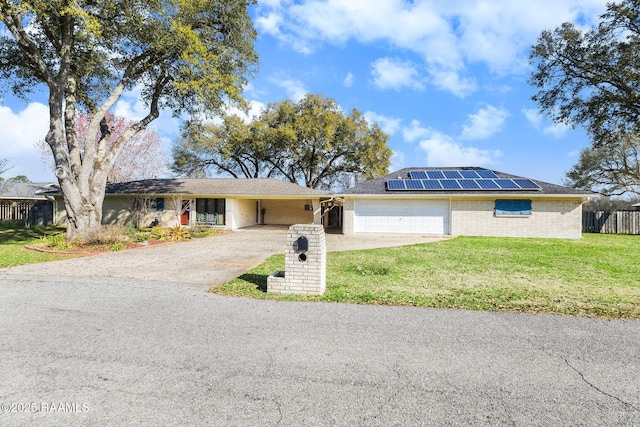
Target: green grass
x,y
598,275
12,242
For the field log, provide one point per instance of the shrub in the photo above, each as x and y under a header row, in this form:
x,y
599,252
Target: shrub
x,y
201,231
118,246
158,232
141,236
179,234
107,235
131,230
56,241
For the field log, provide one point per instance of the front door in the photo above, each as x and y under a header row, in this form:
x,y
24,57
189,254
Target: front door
x,y
184,212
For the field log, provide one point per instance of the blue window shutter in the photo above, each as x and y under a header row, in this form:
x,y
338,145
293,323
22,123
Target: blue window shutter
x,y
513,207
160,204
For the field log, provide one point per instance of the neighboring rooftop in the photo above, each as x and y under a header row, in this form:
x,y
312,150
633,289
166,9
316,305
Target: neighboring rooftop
x,y
381,185
10,190
214,187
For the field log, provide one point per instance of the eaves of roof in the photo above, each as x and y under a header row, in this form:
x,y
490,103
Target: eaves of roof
x,y
212,187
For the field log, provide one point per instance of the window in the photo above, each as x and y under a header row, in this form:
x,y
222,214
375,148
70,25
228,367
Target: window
x,y
513,208
145,204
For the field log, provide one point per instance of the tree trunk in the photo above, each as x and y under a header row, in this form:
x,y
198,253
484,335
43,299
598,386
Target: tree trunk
x,y
83,204
87,218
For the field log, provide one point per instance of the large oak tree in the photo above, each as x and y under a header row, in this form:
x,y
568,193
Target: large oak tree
x,y
591,78
311,142
191,56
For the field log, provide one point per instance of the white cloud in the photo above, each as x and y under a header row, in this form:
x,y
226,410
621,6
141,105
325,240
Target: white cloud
x,y
415,131
485,123
537,121
349,80
270,24
442,150
447,35
397,160
393,74
533,117
389,125
255,109
450,80
21,131
295,89
556,130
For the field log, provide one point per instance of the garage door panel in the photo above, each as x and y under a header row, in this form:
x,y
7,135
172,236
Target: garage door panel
x,y
402,216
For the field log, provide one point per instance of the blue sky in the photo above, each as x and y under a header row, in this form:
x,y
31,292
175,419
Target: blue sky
x,y
447,80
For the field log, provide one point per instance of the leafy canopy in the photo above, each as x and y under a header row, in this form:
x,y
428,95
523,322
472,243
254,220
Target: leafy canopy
x,y
191,56
311,142
192,51
591,78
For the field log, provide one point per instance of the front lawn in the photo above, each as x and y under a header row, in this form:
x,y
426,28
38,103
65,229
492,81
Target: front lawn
x,y
12,242
598,275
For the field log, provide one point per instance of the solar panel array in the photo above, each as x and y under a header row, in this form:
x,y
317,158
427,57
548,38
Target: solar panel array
x,y
459,179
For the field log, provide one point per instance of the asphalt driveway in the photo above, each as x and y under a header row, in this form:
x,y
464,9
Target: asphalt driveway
x,y
83,344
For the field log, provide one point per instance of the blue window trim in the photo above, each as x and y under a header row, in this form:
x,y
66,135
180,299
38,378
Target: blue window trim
x,y
513,207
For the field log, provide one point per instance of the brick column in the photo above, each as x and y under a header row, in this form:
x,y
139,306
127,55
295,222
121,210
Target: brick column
x,y
305,271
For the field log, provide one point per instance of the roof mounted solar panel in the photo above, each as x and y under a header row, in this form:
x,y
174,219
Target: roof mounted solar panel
x,y
450,184
431,184
413,184
487,184
468,184
396,184
435,174
506,184
526,184
418,175
469,174
486,173
452,174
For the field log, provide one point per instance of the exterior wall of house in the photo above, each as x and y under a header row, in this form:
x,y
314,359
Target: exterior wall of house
x,y
287,212
240,213
561,218
59,212
119,210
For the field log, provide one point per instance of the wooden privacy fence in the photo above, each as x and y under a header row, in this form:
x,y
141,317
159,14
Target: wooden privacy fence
x,y
27,213
618,222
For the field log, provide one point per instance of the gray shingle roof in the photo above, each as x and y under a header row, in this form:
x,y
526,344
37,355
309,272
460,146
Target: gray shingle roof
x,y
259,187
378,185
25,190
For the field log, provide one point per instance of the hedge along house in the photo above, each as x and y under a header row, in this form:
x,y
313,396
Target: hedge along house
x,y
463,201
228,203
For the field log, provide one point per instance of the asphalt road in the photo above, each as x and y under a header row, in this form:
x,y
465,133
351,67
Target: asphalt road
x,y
100,350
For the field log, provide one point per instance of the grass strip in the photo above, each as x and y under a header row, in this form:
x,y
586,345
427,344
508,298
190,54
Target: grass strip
x,y
596,276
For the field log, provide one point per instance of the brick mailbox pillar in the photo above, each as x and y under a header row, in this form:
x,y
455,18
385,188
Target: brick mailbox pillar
x,y
305,262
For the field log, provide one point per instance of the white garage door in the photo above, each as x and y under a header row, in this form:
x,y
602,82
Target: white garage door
x,y
402,216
